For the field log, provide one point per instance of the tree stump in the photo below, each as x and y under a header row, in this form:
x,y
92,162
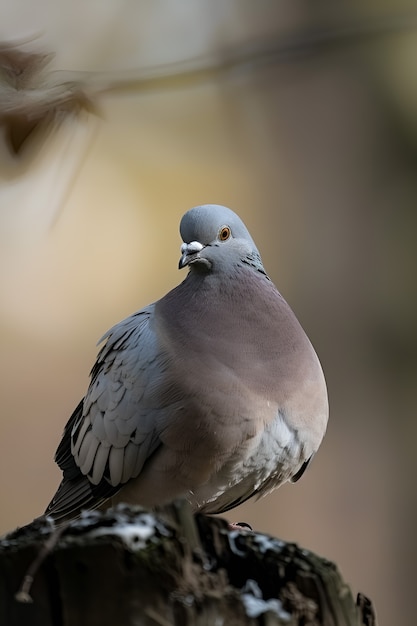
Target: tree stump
x,y
129,566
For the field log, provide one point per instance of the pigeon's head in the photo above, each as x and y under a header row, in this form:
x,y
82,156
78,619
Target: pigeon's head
x,y
214,238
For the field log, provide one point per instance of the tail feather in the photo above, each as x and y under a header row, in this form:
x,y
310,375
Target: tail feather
x,y
71,498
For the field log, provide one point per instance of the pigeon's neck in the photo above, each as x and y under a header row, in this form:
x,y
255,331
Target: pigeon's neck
x,y
254,261
250,262
220,303
248,273
238,322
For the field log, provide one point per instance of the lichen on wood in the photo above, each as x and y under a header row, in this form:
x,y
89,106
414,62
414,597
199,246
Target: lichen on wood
x,y
128,566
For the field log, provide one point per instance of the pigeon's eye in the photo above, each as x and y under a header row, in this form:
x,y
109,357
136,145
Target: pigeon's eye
x,y
224,233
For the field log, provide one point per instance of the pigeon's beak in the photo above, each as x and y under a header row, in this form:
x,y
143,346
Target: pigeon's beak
x,y
190,253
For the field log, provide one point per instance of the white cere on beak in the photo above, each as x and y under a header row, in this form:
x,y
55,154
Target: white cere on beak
x,y
191,248
189,254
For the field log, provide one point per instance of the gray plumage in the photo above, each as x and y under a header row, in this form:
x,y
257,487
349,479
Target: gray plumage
x,y
213,393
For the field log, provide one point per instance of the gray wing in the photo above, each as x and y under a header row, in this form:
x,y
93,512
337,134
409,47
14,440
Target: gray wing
x,y
111,433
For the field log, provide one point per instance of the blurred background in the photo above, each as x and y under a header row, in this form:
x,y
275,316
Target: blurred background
x,y
118,116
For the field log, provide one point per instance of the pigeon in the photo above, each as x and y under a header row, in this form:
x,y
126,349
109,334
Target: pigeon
x,y
213,393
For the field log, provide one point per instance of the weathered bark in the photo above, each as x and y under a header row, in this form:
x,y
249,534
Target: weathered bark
x,y
130,567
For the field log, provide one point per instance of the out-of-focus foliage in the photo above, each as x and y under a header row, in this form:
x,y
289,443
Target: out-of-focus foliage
x,y
115,118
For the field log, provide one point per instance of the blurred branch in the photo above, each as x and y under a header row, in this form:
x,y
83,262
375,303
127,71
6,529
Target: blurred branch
x,y
35,102
28,98
281,48
29,94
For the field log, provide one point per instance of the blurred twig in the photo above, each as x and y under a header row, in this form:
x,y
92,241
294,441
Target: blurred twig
x,y
29,92
281,48
34,101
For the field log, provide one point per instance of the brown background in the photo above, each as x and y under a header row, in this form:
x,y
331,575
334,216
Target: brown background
x,y
316,150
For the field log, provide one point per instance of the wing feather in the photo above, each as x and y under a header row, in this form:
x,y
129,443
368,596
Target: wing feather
x,y
88,452
131,455
112,433
116,465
